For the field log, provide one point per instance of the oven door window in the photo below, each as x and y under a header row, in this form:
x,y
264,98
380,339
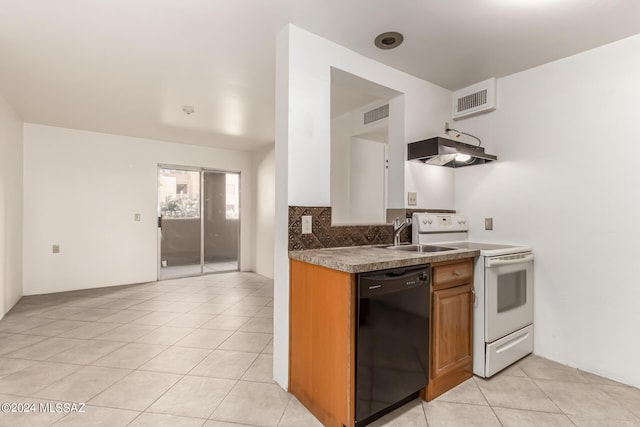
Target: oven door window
x,y
512,290
509,298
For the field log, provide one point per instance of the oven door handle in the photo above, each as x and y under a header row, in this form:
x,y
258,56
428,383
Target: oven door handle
x,y
498,261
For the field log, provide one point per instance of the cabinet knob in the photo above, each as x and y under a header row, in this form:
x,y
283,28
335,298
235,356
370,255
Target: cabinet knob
x,y
456,273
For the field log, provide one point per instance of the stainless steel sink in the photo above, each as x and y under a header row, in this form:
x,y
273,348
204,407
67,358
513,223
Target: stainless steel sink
x,y
420,248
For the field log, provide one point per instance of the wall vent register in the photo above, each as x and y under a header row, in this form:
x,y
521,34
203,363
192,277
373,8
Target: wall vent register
x,y
376,114
475,99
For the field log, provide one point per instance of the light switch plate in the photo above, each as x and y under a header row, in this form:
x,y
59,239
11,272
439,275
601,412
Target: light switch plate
x,y
306,224
488,223
55,249
136,217
412,198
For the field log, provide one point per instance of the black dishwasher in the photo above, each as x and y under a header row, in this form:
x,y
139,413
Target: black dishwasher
x,y
392,340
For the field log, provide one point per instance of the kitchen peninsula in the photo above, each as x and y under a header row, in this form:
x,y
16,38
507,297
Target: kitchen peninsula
x,y
323,322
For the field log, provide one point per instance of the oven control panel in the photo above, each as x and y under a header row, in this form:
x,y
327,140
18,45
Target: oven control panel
x,y
439,223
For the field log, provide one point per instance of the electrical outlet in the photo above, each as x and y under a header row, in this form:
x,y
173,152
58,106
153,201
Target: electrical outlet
x,y
488,223
306,224
136,217
412,198
55,249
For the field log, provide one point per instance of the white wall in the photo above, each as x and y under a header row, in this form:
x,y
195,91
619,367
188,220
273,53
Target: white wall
x,y
264,204
81,190
303,87
281,217
10,207
434,185
566,183
367,181
358,170
340,142
426,108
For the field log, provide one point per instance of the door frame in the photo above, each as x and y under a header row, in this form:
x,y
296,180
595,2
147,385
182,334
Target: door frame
x,y
201,171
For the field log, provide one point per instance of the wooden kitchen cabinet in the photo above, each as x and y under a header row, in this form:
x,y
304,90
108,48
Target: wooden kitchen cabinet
x,y
451,338
322,342
322,336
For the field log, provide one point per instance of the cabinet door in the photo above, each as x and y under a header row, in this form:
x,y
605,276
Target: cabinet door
x,y
322,342
452,330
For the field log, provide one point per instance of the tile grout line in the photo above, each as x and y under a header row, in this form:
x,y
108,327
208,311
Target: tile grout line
x,y
533,380
237,381
100,392
284,410
549,397
243,373
188,372
162,394
622,386
140,414
86,403
495,414
424,411
260,307
194,367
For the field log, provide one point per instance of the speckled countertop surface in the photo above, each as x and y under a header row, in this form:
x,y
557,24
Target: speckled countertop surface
x,y
360,259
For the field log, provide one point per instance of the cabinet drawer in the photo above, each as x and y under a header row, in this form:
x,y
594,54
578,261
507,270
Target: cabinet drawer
x,y
448,275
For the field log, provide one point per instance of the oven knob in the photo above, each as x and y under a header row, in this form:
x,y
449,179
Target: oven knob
x,y
424,221
459,220
430,221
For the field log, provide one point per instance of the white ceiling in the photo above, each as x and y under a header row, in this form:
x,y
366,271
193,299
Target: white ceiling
x,y
128,66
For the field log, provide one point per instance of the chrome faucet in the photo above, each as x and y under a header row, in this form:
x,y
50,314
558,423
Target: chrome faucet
x,y
398,226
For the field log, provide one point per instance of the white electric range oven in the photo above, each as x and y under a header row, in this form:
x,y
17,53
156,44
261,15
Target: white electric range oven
x,y
503,287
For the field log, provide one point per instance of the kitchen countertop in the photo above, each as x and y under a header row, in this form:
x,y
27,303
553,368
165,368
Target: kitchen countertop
x,y
360,259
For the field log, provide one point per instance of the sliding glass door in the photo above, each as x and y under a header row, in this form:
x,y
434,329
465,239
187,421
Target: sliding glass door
x,y
221,199
198,220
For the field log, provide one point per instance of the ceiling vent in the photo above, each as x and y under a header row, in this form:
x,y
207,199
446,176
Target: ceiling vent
x,y
476,99
376,114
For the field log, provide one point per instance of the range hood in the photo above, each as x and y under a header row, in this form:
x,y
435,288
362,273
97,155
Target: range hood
x,y
447,152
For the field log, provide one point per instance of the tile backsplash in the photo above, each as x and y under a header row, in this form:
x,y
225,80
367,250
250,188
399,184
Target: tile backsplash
x,y
325,235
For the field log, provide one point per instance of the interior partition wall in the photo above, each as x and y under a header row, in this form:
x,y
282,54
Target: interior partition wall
x,y
198,221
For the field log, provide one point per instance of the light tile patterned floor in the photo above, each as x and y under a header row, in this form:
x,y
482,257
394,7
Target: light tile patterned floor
x,y
198,352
